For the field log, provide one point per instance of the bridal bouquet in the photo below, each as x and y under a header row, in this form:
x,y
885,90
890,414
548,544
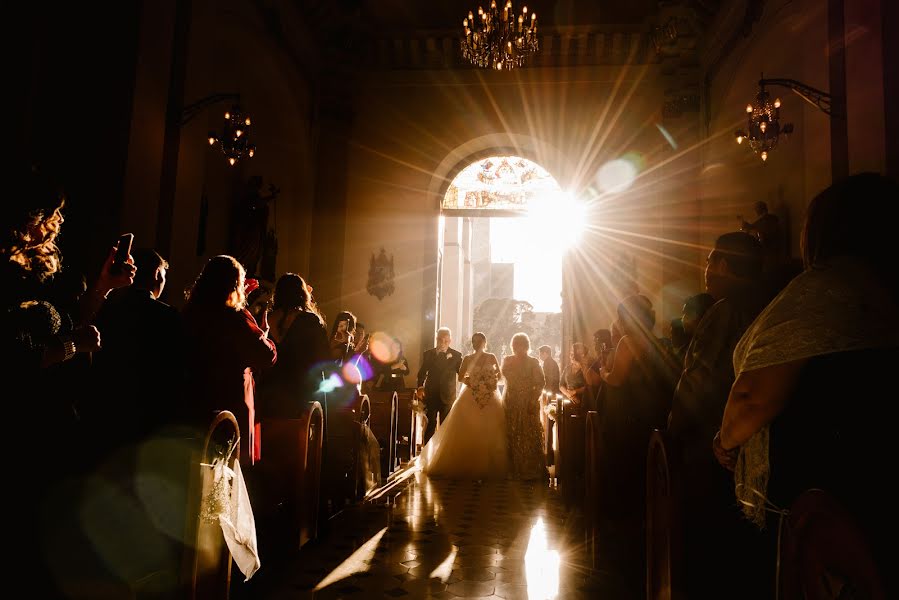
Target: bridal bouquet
x,y
418,405
483,385
550,410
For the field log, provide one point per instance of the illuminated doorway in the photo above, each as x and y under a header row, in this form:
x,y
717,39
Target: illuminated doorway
x,y
505,228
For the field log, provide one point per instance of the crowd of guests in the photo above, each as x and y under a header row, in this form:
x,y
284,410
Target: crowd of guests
x,y
766,390
769,385
114,388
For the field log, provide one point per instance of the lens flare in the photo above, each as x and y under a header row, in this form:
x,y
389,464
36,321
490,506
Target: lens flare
x,y
383,348
330,384
357,370
616,175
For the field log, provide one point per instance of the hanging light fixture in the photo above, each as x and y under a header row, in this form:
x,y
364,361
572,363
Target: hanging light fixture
x,y
497,39
763,129
234,140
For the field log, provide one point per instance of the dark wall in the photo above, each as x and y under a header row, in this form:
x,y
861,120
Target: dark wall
x,y
79,64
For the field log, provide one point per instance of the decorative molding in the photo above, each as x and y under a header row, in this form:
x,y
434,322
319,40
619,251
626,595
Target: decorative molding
x,y
558,48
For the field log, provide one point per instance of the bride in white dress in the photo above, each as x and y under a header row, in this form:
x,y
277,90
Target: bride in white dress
x,y
471,443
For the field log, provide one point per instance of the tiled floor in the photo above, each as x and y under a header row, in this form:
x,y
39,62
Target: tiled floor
x,y
449,539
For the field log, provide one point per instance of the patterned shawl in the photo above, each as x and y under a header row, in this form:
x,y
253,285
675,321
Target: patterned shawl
x,y
837,307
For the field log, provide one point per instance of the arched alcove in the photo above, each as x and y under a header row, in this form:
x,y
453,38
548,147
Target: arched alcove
x,y
501,245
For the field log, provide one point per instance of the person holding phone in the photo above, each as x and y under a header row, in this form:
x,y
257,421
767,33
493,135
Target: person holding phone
x,y
225,345
342,336
38,339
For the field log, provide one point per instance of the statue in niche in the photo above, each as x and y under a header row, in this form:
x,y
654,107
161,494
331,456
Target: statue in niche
x,y
267,269
380,275
249,224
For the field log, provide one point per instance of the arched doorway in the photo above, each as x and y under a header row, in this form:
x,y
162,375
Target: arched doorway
x,y
505,226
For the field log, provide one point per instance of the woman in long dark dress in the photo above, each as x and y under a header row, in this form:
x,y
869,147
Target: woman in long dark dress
x,y
298,328
225,347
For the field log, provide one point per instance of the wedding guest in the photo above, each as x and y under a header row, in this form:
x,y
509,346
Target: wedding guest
x,y
391,377
225,346
733,274
766,228
550,369
602,346
574,381
343,332
143,344
553,378
806,410
298,327
37,339
638,386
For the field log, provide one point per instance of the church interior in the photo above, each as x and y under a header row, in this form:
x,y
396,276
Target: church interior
x,y
669,222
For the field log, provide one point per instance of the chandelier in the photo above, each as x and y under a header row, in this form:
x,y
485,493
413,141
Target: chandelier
x,y
499,40
234,140
763,128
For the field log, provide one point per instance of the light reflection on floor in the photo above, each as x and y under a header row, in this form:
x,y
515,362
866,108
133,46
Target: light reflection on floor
x,y
450,539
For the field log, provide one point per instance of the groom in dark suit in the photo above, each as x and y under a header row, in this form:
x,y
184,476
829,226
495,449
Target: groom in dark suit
x,y
437,379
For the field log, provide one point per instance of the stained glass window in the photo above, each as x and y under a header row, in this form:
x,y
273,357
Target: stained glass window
x,y
507,183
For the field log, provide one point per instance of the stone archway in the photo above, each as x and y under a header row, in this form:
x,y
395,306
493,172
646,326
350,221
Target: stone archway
x,y
448,222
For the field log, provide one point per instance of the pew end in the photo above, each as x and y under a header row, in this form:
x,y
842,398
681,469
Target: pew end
x,y
665,575
291,468
206,566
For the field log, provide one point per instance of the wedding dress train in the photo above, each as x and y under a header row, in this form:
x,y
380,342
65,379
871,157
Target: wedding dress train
x,y
471,443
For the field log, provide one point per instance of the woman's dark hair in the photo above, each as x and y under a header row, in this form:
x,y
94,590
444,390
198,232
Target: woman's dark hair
x,y
478,336
603,336
222,276
743,252
855,217
344,315
291,291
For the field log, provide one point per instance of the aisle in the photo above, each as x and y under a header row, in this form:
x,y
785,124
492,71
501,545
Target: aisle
x,y
449,539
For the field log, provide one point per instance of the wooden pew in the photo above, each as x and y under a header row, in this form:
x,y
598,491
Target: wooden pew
x,y
570,467
367,454
665,577
592,486
290,472
384,423
349,469
404,424
416,429
207,560
823,546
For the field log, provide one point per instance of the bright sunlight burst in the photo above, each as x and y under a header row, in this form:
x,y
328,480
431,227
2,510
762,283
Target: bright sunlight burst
x,y
536,245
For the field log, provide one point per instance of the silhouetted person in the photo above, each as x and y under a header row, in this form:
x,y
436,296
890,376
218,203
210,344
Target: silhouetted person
x,y
142,352
551,372
766,229
712,525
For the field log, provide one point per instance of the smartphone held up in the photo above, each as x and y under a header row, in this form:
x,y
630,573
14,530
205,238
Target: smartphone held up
x,y
122,252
